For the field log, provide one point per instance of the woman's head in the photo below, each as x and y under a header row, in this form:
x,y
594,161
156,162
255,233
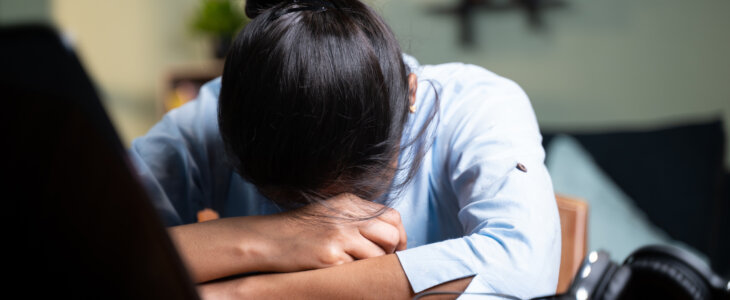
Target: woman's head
x,y
313,101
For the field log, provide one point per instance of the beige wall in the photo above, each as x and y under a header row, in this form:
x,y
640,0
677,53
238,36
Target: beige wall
x,y
128,46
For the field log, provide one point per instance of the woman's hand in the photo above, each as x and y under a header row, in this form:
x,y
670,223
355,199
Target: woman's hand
x,y
312,237
334,232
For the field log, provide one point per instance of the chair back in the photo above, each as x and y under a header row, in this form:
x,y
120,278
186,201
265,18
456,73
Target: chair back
x,y
573,227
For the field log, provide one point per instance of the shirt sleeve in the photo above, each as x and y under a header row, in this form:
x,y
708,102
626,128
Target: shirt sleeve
x,y
511,242
180,160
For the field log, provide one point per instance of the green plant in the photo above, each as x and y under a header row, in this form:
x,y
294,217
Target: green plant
x,y
219,18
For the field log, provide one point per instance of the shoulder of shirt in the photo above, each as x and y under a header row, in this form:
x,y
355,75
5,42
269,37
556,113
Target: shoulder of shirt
x,y
468,100
458,74
206,102
462,89
455,76
211,89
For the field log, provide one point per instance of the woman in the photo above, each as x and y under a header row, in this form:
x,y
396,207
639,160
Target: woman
x,y
342,168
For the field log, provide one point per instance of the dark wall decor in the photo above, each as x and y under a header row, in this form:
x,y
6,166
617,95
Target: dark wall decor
x,y
466,10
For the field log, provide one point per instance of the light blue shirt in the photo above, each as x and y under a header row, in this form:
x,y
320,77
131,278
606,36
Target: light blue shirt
x,y
469,210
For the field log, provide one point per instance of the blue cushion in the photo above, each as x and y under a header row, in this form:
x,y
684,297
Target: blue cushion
x,y
615,223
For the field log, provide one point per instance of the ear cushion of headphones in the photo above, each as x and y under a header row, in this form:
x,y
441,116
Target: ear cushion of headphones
x,y
616,283
664,278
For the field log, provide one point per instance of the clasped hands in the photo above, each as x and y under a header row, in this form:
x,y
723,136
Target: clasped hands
x,y
339,230
320,235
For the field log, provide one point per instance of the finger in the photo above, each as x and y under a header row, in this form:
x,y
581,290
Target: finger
x,y
403,238
346,258
392,216
381,233
333,256
362,248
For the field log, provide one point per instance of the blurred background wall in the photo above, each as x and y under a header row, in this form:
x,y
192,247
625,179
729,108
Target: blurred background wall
x,y
597,65
18,11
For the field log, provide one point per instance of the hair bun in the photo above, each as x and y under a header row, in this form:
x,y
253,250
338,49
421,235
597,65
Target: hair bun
x,y
255,7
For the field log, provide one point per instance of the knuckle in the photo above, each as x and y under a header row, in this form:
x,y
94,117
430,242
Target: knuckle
x,y
330,255
392,238
396,215
392,215
339,233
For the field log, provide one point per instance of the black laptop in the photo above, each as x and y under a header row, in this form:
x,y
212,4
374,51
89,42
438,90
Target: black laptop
x,y
78,222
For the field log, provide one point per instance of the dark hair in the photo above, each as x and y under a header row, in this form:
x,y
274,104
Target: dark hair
x,y
314,100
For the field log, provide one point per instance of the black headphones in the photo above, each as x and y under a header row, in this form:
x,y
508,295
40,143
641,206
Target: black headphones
x,y
651,272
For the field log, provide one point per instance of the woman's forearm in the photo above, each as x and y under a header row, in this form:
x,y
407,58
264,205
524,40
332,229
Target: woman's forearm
x,y
301,239
375,278
219,248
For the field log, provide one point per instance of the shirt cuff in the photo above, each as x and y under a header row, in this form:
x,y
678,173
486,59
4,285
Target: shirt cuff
x,y
476,289
433,264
